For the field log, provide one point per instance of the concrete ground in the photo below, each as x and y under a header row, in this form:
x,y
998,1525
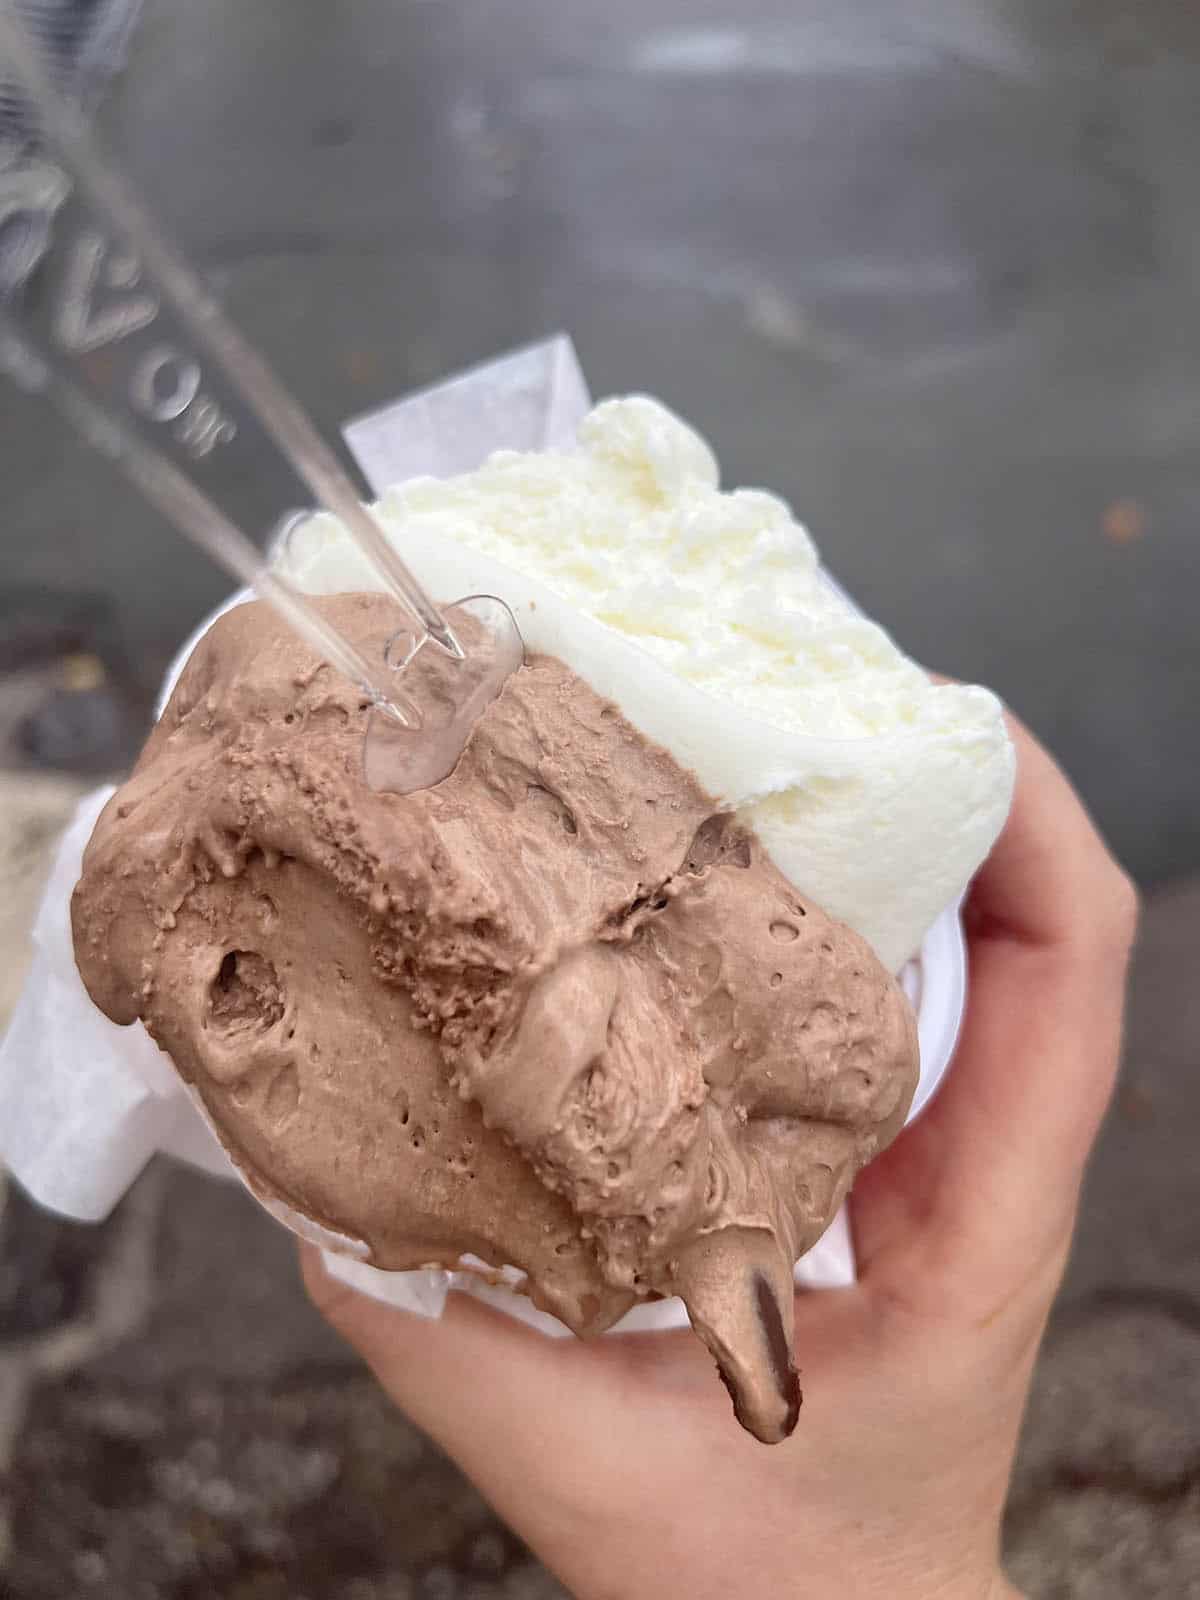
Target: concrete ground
x,y
927,270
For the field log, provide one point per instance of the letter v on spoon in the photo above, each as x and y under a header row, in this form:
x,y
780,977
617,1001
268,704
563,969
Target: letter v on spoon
x,y
106,318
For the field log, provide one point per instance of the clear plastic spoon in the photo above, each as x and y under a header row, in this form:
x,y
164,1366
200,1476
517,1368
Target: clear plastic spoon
x,y
98,312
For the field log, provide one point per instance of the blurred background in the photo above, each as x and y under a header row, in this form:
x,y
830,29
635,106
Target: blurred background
x,y
929,271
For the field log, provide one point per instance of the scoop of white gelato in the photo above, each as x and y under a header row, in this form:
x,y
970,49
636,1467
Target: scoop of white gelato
x,y
706,617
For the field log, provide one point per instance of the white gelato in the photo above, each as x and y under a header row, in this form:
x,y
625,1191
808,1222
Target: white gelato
x,y
706,617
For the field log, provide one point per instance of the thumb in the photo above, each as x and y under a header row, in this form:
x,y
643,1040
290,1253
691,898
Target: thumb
x,y
568,1439
476,1375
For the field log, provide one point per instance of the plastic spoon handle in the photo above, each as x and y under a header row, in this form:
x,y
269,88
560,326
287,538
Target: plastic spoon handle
x,y
135,257
166,488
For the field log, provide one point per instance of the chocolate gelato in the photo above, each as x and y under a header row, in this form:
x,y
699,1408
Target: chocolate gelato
x,y
559,1012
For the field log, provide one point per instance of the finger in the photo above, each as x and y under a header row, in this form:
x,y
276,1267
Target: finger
x,y
1051,921
1051,882
476,1375
418,1360
571,1442
991,1171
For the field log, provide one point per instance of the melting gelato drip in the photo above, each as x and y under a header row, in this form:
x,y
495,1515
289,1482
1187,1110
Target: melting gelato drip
x,y
558,1012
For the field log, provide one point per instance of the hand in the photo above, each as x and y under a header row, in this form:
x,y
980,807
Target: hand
x,y
619,1461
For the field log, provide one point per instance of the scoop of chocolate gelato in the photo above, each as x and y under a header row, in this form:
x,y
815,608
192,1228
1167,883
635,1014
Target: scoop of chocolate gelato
x,y
559,1012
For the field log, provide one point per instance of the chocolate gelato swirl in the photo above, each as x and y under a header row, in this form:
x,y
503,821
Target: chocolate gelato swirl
x,y
559,1012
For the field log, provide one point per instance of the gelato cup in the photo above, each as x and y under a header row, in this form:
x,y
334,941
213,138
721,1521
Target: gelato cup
x,y
83,1103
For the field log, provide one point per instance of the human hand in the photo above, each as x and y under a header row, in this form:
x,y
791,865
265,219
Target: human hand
x,y
618,1461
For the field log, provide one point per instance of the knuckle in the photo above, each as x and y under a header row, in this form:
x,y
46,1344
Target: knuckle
x,y
337,1302
1119,922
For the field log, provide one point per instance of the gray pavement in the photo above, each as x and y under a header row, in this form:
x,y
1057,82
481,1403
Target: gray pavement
x,y
930,271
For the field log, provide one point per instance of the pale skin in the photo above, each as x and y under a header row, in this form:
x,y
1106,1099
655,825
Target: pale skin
x,y
619,1461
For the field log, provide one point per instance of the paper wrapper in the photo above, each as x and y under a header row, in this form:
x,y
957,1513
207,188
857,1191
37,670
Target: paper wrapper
x,y
84,1103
